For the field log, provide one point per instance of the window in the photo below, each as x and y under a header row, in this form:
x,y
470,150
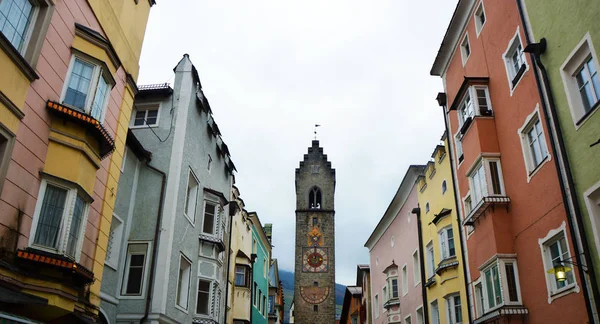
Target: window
x,y
427,207
416,267
385,295
88,87
114,242
354,319
479,302
316,284
459,149
145,116
486,180
581,80
492,286
420,316
468,205
15,19
210,210
465,49
555,251
479,18
242,276
255,294
264,305
135,269
514,61
191,197
533,142
60,219
209,163
404,281
203,298
392,241
271,304
476,102
407,320
183,282
447,243
453,308
444,187
430,260
7,141
314,198
435,312
394,288
376,306
315,308
315,221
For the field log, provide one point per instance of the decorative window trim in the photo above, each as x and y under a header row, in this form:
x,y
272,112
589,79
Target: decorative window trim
x,y
417,265
480,9
141,106
573,62
72,193
554,292
500,260
530,169
113,262
125,272
191,219
465,56
449,299
593,208
100,70
182,308
6,149
507,62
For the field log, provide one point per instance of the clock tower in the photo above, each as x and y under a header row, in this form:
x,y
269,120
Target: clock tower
x,y
314,287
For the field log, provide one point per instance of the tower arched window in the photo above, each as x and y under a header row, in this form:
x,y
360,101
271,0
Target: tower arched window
x,y
314,198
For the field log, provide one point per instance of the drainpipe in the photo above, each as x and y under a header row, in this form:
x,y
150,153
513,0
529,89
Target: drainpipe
x,y
463,243
228,286
156,234
252,292
417,211
581,246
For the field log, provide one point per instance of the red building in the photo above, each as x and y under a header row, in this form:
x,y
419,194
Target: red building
x,y
515,223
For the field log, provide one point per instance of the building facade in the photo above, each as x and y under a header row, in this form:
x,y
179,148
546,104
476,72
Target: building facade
x,y
239,300
351,307
363,280
276,302
169,233
314,275
396,286
516,224
66,94
444,275
570,62
261,247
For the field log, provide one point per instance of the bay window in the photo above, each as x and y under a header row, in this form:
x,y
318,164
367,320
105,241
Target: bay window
x,y
499,285
60,218
210,212
203,297
476,102
447,249
453,309
485,180
242,275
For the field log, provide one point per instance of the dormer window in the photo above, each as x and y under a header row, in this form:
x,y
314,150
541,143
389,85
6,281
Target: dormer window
x,y
314,198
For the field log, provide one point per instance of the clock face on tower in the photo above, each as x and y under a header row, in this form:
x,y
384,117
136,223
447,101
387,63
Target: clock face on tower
x,y
315,259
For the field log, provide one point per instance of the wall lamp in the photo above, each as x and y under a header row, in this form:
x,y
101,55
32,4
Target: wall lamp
x,y
561,267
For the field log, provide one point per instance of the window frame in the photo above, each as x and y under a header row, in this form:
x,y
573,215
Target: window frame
x,y
63,235
515,77
404,280
444,186
580,54
208,200
444,243
553,236
476,17
416,267
531,168
434,306
125,277
479,300
210,293
431,265
451,308
500,261
376,305
475,108
484,164
186,207
6,148
114,243
465,45
184,308
100,70
137,106
408,319
247,278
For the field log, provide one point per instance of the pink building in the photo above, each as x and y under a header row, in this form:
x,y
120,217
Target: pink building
x,y
396,291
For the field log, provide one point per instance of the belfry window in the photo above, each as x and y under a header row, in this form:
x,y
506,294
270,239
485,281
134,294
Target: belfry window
x,y
314,198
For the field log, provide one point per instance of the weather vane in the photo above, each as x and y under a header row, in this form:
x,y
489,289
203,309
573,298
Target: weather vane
x,y
316,125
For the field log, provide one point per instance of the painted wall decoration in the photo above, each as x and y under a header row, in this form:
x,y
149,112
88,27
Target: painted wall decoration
x,y
315,238
314,295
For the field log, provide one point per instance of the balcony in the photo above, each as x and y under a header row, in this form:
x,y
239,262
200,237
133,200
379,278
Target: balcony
x,y
485,204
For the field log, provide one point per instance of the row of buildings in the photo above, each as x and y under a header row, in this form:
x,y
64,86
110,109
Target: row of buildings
x,y
118,203
502,224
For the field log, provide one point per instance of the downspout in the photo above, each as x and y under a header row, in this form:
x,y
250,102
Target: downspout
x,y
227,287
156,235
463,243
252,292
417,211
535,51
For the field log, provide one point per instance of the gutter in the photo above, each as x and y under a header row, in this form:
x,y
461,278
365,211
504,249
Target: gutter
x,y
463,243
155,245
575,221
417,211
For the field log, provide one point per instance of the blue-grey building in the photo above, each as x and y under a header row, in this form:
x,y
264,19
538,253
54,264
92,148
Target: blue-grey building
x,y
167,260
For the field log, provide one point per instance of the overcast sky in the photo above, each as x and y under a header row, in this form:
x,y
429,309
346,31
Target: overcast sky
x,y
273,69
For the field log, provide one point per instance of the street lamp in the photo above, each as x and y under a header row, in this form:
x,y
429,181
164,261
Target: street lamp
x,y
559,271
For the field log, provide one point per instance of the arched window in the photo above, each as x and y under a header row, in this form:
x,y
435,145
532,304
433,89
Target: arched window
x,y
314,198
444,187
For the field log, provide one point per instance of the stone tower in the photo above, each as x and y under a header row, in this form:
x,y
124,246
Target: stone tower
x,y
314,287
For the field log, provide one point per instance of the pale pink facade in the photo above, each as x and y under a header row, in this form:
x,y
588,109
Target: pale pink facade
x,y
395,240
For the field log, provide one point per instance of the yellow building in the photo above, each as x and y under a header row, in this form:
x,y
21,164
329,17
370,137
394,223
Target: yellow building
x,y
66,96
440,232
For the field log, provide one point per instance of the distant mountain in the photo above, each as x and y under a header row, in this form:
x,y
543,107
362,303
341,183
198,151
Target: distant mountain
x,y
287,281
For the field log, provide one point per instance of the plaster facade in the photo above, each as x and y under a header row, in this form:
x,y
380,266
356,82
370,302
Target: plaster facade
x,y
261,246
391,247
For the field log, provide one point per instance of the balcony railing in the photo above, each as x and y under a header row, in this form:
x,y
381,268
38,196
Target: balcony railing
x,y
483,206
